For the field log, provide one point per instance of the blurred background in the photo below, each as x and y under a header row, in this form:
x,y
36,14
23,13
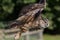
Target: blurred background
x,y
9,10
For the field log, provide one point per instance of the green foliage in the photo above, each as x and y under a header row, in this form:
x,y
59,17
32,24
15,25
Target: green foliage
x,y
29,1
6,7
2,25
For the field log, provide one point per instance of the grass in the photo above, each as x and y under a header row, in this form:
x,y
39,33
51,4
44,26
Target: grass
x,y
51,37
46,37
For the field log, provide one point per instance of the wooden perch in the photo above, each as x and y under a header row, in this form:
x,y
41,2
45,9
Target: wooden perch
x,y
11,30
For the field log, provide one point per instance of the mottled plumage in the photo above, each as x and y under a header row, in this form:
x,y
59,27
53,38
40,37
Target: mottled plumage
x,y
30,17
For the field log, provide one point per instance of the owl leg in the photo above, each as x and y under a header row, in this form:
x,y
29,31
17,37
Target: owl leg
x,y
17,36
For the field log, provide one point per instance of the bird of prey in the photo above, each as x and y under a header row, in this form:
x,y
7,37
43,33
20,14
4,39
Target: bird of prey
x,y
30,17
